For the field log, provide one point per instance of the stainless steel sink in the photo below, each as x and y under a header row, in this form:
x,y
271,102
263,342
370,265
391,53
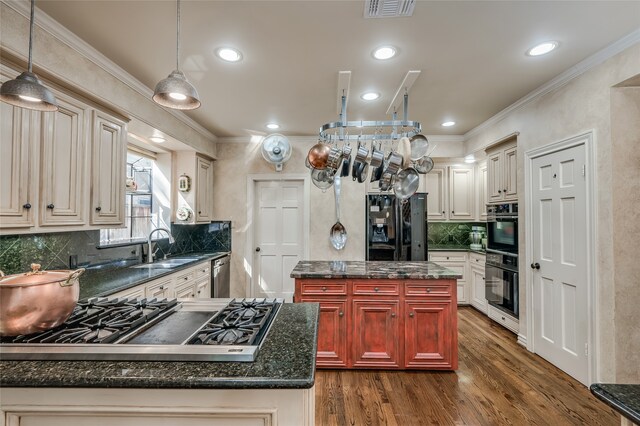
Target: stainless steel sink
x,y
168,263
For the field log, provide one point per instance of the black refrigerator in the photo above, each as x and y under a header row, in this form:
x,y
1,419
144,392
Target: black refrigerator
x,y
396,230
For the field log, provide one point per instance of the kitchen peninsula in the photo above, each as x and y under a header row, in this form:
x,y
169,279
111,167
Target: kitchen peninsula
x,y
163,393
382,315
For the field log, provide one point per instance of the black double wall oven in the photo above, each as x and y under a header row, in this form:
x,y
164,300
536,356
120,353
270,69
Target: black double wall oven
x,y
501,267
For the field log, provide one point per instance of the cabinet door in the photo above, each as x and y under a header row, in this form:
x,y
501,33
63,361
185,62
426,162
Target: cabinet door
x,y
510,174
435,186
375,333
137,292
494,177
62,197
107,170
203,288
160,290
461,193
430,335
185,291
332,333
204,185
18,127
482,192
478,299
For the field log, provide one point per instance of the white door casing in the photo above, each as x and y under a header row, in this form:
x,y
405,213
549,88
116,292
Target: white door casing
x,y
277,235
560,230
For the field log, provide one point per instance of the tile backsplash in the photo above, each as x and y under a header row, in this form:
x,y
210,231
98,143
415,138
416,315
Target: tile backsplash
x,y
53,251
450,233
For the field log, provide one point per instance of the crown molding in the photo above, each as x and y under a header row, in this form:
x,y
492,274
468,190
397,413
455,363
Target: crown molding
x,y
57,30
445,138
560,80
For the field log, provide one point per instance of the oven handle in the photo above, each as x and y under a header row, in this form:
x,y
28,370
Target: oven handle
x,y
506,253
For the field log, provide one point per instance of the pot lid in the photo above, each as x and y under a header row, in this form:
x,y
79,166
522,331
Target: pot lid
x,y
38,277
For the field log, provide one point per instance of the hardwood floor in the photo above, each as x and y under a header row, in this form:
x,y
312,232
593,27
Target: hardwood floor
x,y
498,383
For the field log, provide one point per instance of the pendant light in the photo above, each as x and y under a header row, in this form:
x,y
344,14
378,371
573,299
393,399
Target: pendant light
x,y
175,91
26,90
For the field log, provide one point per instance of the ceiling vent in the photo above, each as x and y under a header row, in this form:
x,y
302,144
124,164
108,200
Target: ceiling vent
x,y
388,8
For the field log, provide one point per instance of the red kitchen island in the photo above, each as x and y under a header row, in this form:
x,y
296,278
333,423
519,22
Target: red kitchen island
x,y
382,315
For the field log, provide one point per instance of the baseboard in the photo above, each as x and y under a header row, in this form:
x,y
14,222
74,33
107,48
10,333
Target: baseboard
x,y
522,340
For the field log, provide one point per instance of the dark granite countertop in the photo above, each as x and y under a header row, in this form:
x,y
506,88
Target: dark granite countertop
x,y
103,282
287,359
623,398
372,269
453,247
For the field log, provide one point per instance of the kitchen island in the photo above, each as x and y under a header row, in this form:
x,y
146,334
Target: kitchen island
x,y
382,315
277,388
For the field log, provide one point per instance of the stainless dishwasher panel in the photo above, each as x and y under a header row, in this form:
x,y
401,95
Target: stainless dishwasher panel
x,y
221,277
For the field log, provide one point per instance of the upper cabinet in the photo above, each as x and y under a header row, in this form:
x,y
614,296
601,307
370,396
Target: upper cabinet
x,y
502,172
63,173
108,151
481,191
193,201
451,193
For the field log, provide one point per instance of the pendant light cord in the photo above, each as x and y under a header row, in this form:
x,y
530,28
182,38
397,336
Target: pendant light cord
x,y
178,37
31,25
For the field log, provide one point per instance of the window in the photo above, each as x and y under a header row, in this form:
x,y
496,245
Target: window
x,y
141,204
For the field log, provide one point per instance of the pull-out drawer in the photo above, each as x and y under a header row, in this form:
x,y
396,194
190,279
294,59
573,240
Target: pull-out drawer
x,y
448,255
324,288
372,288
202,270
427,288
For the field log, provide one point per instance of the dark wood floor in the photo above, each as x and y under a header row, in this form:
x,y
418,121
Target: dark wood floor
x,y
498,383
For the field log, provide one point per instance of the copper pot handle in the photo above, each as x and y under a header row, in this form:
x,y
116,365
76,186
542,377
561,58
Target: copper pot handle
x,y
72,276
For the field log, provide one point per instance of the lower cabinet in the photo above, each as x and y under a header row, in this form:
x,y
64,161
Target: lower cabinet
x,y
456,261
384,324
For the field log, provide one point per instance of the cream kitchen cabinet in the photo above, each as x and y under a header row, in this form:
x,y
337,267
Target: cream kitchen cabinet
x,y
63,164
109,148
199,198
456,261
476,272
19,134
502,173
451,193
481,192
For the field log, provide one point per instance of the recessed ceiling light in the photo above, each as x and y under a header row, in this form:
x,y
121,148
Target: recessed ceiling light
x,y
370,96
273,126
542,48
228,54
384,52
470,159
157,139
448,123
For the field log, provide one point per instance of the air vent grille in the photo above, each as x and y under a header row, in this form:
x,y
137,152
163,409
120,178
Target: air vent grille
x,y
388,8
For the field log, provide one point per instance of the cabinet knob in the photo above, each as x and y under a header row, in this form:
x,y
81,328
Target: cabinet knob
x,y
503,319
376,289
477,260
452,212
27,206
257,249
161,287
199,212
535,265
340,314
447,257
98,209
185,278
199,291
482,278
428,290
393,314
411,314
442,211
50,206
504,190
324,289
499,191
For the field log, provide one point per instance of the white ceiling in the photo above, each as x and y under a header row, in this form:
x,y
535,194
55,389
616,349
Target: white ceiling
x,y
471,54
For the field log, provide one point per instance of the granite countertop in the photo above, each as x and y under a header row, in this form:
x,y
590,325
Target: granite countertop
x,y
287,359
372,269
103,282
454,247
623,398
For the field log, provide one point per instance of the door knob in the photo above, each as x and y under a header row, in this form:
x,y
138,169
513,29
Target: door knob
x,y
257,249
535,265
27,206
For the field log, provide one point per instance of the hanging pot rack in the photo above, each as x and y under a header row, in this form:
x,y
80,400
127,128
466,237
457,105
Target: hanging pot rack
x,y
345,130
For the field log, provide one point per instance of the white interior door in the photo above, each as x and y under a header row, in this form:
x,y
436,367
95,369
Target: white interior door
x,y
560,290
278,236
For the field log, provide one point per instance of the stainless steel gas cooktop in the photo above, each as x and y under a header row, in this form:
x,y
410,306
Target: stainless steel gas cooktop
x,y
152,330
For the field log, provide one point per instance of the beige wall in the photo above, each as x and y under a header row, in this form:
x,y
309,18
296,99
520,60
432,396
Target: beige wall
x,y
70,68
240,158
625,154
580,106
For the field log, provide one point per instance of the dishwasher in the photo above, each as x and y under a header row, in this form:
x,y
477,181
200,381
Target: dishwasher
x,y
220,277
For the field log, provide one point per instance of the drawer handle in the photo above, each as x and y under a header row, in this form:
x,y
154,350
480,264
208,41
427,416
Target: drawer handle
x,y
98,208
447,257
161,287
428,290
50,206
185,278
376,289
411,314
27,206
324,289
340,314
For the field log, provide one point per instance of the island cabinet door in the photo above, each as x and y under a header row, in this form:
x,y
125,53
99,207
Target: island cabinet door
x,y
376,333
430,335
332,333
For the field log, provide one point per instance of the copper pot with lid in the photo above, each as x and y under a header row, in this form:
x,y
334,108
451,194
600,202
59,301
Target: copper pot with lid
x,y
37,300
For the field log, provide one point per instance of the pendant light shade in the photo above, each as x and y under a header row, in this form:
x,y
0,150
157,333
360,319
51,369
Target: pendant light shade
x,y
175,91
26,90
